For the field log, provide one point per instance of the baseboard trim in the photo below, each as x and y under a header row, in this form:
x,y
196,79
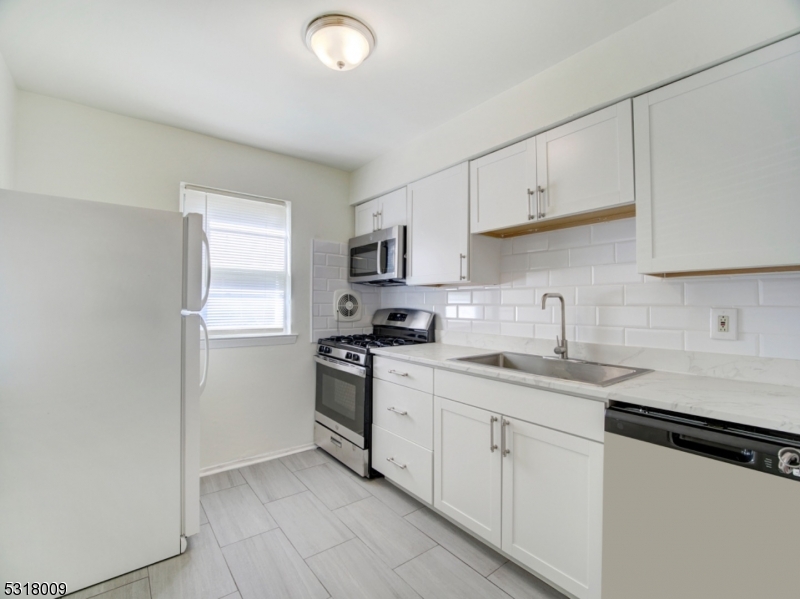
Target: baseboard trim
x,y
264,457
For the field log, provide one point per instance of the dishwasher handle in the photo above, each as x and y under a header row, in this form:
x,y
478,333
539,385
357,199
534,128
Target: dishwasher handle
x,y
712,449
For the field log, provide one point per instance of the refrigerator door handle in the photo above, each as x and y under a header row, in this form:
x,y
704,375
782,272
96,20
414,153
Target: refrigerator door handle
x,y
207,246
207,354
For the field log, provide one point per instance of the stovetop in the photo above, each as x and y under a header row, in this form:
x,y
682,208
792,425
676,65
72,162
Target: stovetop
x,y
365,342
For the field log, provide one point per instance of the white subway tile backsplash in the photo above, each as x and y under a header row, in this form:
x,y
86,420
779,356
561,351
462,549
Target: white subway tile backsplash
x,y
470,312
528,243
550,259
682,318
516,296
568,293
581,275
592,255
651,338
514,262
568,238
722,293
776,321
615,316
625,251
780,292
581,315
745,345
334,284
323,297
486,328
616,273
654,294
334,260
505,313
604,335
487,296
326,272
534,314
459,297
617,230
600,295
537,278
608,301
320,259
516,329
321,284
780,346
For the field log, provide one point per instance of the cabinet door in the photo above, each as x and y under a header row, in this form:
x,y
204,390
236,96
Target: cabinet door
x,y
466,471
438,228
552,505
392,209
716,166
502,185
366,217
586,164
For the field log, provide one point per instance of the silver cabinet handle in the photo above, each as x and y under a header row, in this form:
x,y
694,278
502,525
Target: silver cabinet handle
x,y
503,439
462,257
530,202
398,373
492,444
539,192
398,464
374,221
380,220
398,412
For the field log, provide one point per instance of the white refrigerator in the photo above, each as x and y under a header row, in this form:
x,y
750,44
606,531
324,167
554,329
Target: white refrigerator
x,y
101,370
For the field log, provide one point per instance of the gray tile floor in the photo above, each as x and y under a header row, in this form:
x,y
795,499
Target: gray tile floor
x,y
305,527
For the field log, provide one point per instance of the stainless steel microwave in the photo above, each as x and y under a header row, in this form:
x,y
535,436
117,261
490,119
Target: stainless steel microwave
x,y
378,258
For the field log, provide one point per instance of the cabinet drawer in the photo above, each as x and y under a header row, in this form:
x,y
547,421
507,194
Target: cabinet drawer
x,y
403,411
411,466
403,373
575,415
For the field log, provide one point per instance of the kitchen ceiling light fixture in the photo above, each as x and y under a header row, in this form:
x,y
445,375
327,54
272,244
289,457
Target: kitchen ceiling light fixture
x,y
340,42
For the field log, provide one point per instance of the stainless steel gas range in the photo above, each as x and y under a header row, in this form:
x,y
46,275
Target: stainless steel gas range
x,y
343,424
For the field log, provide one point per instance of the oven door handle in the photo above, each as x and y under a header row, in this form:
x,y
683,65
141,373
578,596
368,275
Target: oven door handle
x,y
358,371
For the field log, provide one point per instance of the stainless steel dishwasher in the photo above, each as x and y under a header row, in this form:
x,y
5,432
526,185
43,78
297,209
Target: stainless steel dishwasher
x,y
698,509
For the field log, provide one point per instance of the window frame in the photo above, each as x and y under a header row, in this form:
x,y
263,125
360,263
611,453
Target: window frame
x,y
241,337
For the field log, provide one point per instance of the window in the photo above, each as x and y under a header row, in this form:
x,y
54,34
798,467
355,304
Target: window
x,y
250,244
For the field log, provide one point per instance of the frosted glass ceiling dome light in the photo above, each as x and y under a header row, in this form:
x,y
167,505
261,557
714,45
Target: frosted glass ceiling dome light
x,y
341,43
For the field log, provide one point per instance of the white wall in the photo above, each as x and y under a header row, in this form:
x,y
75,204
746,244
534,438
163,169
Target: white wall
x,y
680,38
258,399
8,104
608,302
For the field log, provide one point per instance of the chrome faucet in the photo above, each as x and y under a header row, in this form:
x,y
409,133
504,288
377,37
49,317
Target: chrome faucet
x,y
561,348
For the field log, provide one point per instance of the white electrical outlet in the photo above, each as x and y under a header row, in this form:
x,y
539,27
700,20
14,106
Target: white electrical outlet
x,y
723,323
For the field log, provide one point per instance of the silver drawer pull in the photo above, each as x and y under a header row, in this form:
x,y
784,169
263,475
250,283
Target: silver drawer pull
x,y
398,464
396,411
398,373
336,442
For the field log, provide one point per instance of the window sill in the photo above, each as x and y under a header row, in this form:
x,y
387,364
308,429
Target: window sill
x,y
226,341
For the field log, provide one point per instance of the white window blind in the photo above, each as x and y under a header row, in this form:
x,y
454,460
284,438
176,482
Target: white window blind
x,y
249,240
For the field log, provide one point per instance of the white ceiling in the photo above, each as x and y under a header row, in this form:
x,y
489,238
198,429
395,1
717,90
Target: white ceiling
x,y
239,69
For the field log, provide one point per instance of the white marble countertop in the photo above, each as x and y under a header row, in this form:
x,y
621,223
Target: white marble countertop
x,y
773,407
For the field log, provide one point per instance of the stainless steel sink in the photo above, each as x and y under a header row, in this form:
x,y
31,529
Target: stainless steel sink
x,y
592,373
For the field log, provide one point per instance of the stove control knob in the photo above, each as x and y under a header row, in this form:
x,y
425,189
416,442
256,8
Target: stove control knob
x,y
327,350
321,349
348,356
356,357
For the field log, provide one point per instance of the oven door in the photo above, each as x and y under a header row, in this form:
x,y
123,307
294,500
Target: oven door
x,y
341,398
377,256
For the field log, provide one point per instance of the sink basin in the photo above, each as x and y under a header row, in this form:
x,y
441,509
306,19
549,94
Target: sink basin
x,y
593,373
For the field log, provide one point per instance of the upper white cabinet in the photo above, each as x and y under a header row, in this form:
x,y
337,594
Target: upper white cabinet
x,y
580,167
381,213
717,174
439,249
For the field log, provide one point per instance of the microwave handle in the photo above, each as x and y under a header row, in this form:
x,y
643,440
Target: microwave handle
x,y
380,258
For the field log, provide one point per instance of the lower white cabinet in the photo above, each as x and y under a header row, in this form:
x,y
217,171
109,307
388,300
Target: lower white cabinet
x,y
553,505
533,492
467,467
404,462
